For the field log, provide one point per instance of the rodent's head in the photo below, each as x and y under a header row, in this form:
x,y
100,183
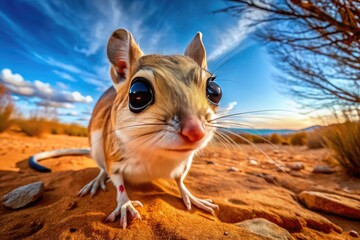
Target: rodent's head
x,y
164,104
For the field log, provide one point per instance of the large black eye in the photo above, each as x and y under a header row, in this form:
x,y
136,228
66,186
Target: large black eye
x,y
141,95
213,92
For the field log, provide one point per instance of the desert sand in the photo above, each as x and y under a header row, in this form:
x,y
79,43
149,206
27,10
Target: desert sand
x,y
255,191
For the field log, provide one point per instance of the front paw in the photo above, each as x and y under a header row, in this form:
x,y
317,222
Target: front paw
x,y
204,204
122,210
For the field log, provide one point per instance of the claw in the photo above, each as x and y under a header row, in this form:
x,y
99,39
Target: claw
x,y
188,198
94,185
122,209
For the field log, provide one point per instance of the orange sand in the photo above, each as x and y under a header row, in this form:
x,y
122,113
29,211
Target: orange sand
x,y
240,195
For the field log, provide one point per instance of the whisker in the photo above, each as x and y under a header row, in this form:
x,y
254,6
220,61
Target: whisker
x,y
243,113
259,149
234,144
252,134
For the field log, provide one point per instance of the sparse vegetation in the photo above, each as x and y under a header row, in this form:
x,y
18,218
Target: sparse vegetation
x,y
298,139
75,130
34,126
6,109
39,127
275,138
315,139
344,140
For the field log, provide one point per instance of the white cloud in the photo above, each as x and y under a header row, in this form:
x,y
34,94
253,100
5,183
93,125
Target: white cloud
x,y
231,105
234,36
16,84
45,103
65,75
14,79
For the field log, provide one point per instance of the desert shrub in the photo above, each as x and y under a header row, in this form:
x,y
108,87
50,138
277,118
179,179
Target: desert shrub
x,y
34,126
275,138
6,109
344,140
298,139
316,139
258,139
75,130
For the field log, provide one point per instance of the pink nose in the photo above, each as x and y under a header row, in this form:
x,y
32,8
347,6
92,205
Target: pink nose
x,y
192,129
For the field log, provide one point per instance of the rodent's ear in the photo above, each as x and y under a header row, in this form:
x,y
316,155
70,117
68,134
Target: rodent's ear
x,y
196,50
122,52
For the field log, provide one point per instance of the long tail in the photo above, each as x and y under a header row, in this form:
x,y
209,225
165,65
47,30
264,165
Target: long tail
x,y
33,160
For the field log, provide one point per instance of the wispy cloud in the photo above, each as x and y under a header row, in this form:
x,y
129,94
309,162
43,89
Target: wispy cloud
x,y
58,64
235,35
65,76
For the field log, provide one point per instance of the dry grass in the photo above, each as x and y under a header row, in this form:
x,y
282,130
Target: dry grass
x,y
344,140
6,109
298,139
34,126
316,139
275,138
39,127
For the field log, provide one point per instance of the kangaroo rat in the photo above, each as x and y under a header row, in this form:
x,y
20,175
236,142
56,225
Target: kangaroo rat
x,y
153,121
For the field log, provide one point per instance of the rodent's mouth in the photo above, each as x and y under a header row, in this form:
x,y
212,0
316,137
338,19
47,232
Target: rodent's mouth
x,y
179,150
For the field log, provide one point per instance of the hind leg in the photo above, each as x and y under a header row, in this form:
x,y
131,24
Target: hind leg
x,y
97,153
93,185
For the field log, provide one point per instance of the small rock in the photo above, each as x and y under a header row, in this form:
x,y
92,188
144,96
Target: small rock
x,y
72,230
269,178
226,233
331,203
282,169
72,205
354,233
210,162
323,169
296,166
265,228
24,195
253,162
233,169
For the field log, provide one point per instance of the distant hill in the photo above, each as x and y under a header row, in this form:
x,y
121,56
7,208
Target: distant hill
x,y
271,131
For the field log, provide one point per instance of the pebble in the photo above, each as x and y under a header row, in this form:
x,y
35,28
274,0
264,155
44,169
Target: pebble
x,y
266,229
72,205
296,166
22,196
253,162
233,169
354,233
210,162
323,169
269,178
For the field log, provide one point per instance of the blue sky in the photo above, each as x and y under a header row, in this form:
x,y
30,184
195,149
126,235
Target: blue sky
x,y
53,52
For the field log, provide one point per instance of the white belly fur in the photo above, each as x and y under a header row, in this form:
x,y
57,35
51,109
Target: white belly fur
x,y
142,168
